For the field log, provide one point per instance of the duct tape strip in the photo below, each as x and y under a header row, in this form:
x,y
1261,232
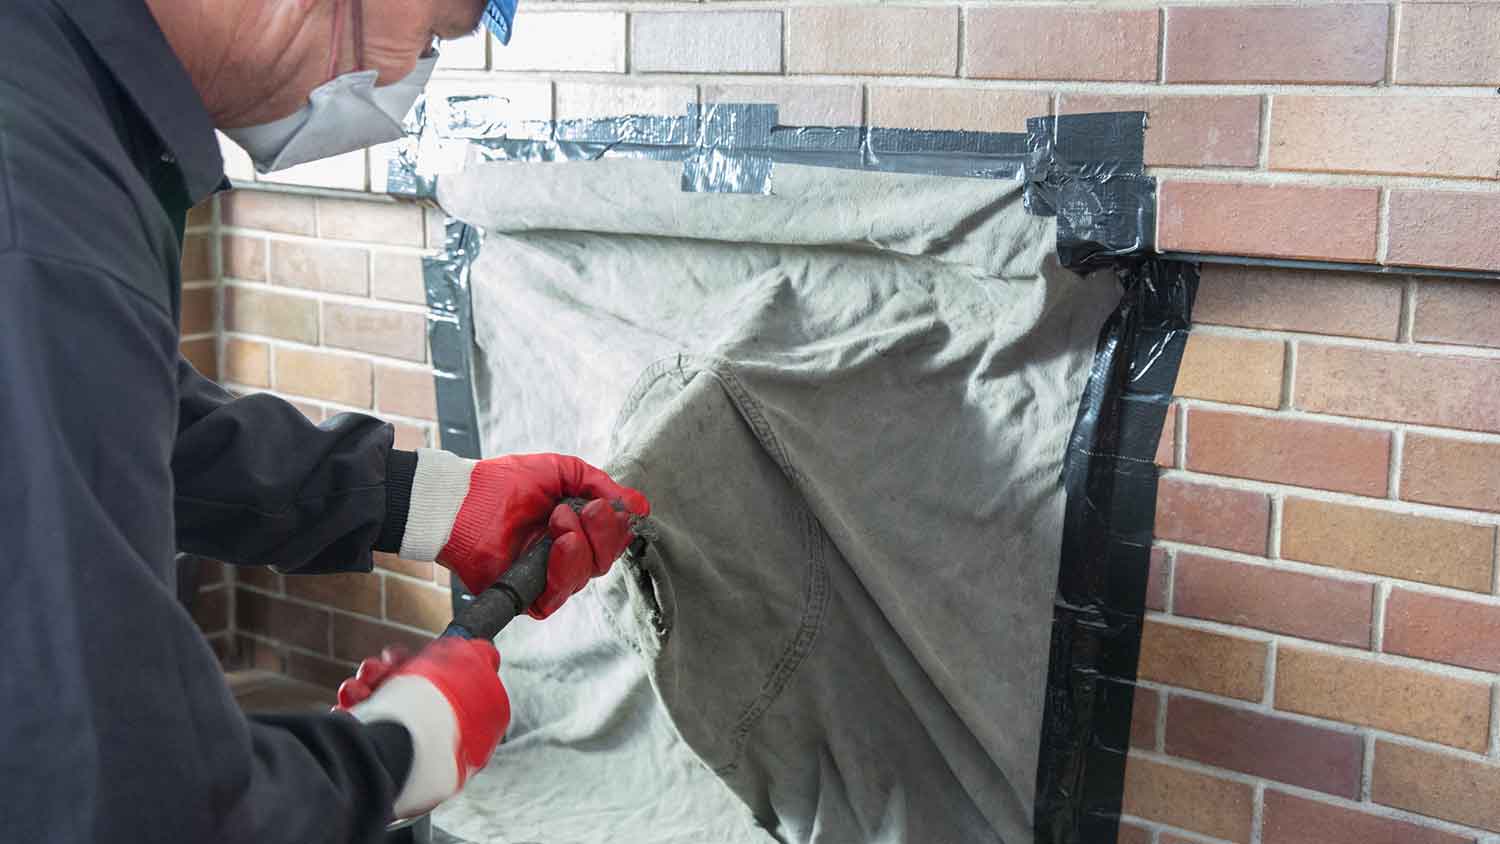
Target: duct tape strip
x,y
1110,478
450,333
1087,170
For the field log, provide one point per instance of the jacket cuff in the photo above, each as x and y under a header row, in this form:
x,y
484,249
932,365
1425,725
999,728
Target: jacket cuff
x,y
438,487
400,471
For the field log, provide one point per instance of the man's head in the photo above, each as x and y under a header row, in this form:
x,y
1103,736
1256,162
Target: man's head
x,y
255,61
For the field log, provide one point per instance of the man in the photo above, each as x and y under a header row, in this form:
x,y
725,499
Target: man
x,y
115,722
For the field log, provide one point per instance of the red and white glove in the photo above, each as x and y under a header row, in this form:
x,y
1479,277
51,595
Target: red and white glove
x,y
476,517
451,702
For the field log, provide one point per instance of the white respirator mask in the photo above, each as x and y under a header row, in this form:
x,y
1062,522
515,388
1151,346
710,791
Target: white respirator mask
x,y
346,113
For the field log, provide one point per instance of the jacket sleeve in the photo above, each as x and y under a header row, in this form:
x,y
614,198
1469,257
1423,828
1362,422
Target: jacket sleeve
x,y
118,726
259,483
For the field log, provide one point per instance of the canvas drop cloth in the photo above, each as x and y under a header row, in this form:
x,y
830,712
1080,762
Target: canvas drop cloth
x,y
848,402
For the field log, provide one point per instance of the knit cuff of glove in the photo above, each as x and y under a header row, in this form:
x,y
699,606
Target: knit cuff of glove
x,y
439,485
418,705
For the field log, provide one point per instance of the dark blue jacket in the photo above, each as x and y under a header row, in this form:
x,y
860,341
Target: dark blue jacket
x,y
115,723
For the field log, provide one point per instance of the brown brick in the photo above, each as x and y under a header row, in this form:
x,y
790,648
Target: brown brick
x,y
1132,834
1143,714
393,223
1466,312
353,591
1187,131
319,671
885,40
410,437
1265,746
415,568
211,610
406,392
278,212
435,221
1437,229
1429,550
1165,793
258,310
1158,579
197,258
261,577
1232,519
1449,45
578,100
1452,472
255,653
244,257
1289,451
247,362
955,108
1386,135
320,375
1341,43
442,576
1387,697
379,331
303,626
1235,370
1166,446
1269,220
1061,42
1197,659
318,266
398,277
203,354
706,42
1314,301
1451,391
355,638
1328,610
211,573
1441,629
201,214
1297,820
1436,784
418,605
797,105
198,310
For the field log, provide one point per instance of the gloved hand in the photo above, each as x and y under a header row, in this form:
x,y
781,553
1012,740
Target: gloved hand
x,y
450,700
476,517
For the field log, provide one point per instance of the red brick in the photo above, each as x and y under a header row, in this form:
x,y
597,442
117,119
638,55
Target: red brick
x,y
247,362
1289,451
303,626
406,392
1391,135
354,591
201,214
1313,301
1143,714
258,310
1387,697
1061,42
1449,45
398,277
1269,220
1159,578
1340,43
318,266
393,223
197,258
1187,131
415,568
1235,370
1466,312
1450,391
797,105
1297,820
581,100
884,40
1232,519
1439,785
1442,229
1441,629
244,257
1166,446
261,577
410,437
211,610
1421,548
1197,659
278,212
203,354
1264,746
321,672
199,307
417,604
211,573
1168,794
1132,834
377,330
355,638
706,42
250,652
319,375
1451,472
1321,608
955,108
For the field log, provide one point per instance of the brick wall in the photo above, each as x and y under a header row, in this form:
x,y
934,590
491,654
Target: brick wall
x,y
1324,645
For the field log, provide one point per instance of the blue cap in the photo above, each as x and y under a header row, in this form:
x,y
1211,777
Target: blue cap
x,y
498,15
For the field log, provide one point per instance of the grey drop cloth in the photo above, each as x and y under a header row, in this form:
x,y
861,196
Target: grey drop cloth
x,y
848,402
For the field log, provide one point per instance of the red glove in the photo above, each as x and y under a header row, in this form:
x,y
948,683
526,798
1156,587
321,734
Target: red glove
x,y
476,518
450,700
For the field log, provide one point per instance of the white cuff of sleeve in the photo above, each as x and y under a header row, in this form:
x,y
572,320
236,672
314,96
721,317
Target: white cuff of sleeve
x,y
437,491
416,704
